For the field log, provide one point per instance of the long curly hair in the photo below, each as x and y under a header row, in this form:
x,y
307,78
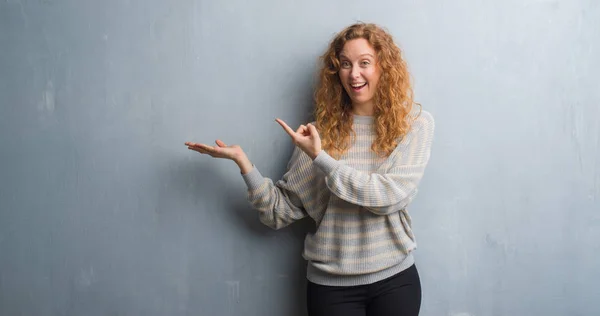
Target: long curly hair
x,y
393,99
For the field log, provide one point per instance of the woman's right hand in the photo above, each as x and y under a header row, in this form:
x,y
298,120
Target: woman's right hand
x,y
233,152
220,151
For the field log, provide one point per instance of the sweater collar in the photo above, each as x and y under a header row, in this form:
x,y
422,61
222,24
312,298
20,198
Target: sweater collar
x,y
363,119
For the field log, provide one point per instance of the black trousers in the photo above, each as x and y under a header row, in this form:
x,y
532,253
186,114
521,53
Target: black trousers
x,y
398,295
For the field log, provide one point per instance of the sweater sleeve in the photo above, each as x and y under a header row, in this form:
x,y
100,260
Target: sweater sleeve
x,y
392,191
278,203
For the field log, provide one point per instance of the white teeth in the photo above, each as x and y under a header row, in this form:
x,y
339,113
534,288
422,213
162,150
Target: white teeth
x,y
357,85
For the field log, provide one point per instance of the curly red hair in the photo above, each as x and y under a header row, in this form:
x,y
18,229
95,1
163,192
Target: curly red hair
x,y
393,100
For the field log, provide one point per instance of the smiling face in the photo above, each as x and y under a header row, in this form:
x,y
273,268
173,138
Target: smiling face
x,y
359,74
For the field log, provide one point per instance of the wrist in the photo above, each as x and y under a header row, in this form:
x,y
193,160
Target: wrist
x,y
244,164
239,158
314,155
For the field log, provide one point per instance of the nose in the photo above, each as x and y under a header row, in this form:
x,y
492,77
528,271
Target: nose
x,y
354,72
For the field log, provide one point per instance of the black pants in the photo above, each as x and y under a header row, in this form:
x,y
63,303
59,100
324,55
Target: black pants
x,y
398,295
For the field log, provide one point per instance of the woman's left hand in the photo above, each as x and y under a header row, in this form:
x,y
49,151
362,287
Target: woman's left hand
x,y
306,138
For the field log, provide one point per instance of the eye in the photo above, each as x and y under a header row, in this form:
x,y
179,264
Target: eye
x,y
345,64
365,63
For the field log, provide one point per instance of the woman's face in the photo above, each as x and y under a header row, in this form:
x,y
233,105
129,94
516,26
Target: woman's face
x,y
359,74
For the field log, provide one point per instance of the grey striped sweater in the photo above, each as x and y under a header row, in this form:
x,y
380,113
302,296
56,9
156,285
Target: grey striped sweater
x,y
363,230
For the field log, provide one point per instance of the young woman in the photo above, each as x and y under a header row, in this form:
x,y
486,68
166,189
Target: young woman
x,y
354,172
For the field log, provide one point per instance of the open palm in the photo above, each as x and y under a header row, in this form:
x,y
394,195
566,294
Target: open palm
x,y
220,151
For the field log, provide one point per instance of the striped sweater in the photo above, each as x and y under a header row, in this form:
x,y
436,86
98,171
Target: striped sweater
x,y
363,231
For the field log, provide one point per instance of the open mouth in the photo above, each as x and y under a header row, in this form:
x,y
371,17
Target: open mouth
x,y
358,87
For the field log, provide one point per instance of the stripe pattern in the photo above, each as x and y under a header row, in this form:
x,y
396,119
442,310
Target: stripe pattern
x,y
359,204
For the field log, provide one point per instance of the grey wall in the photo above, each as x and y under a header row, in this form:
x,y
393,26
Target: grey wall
x,y
103,211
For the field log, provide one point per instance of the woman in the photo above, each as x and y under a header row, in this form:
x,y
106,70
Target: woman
x,y
353,171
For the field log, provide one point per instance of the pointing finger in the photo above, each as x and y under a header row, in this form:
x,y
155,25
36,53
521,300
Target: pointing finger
x,y
285,127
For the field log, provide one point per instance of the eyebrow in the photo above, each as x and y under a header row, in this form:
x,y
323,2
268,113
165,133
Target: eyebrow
x,y
366,54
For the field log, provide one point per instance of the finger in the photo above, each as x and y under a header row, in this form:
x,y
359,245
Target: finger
x,y
306,131
313,130
202,151
204,147
220,143
301,129
191,144
199,147
285,127
214,152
